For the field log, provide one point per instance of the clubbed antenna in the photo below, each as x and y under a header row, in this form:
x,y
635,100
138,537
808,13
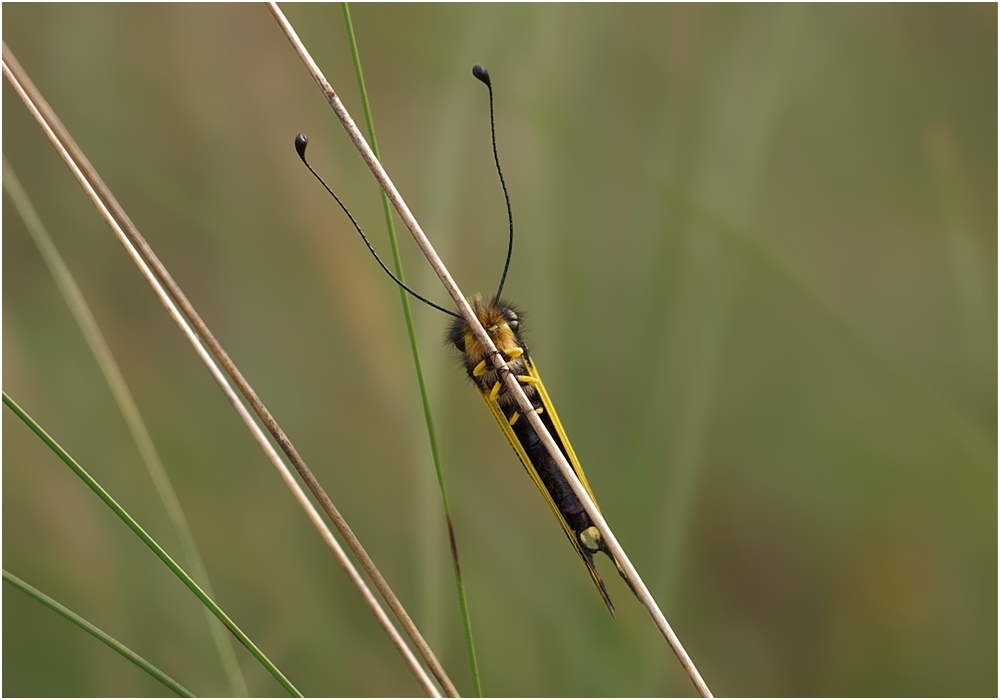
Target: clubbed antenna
x,y
301,141
482,75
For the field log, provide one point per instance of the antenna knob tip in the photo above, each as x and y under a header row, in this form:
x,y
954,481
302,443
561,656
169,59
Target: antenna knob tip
x,y
301,141
481,74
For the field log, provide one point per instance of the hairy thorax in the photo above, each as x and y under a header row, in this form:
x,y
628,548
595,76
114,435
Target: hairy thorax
x,y
502,325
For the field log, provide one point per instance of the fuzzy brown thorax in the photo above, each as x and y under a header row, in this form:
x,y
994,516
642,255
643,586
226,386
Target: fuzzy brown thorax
x,y
502,324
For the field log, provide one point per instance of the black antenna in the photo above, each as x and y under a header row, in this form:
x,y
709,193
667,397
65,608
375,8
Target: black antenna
x,y
482,75
301,141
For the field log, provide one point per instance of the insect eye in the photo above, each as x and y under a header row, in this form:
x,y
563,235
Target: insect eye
x,y
512,320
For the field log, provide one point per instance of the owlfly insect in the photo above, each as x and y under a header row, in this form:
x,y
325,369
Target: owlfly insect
x,y
501,322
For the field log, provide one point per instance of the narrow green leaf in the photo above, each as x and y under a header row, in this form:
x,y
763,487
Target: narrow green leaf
x,y
428,418
97,632
151,543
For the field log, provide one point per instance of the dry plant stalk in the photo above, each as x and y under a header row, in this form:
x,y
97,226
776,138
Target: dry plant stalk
x,y
130,412
199,335
642,592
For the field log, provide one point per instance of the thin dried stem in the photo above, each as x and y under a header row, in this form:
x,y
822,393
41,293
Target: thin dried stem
x,y
150,543
192,326
130,412
642,592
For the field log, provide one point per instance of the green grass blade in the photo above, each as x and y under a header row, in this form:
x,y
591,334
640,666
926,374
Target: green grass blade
x,y
428,418
97,632
123,397
151,543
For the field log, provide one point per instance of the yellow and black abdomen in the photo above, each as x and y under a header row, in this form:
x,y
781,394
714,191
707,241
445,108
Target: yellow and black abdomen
x,y
566,501
501,323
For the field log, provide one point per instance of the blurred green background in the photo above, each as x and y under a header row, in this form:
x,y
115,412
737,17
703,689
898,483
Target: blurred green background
x,y
756,248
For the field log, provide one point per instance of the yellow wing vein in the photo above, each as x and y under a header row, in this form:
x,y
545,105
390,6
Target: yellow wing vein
x,y
547,402
508,431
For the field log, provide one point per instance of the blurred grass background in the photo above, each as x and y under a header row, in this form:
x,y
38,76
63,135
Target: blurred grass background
x,y
756,247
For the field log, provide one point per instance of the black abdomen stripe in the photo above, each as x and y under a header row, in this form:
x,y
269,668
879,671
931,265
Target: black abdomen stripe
x,y
555,483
